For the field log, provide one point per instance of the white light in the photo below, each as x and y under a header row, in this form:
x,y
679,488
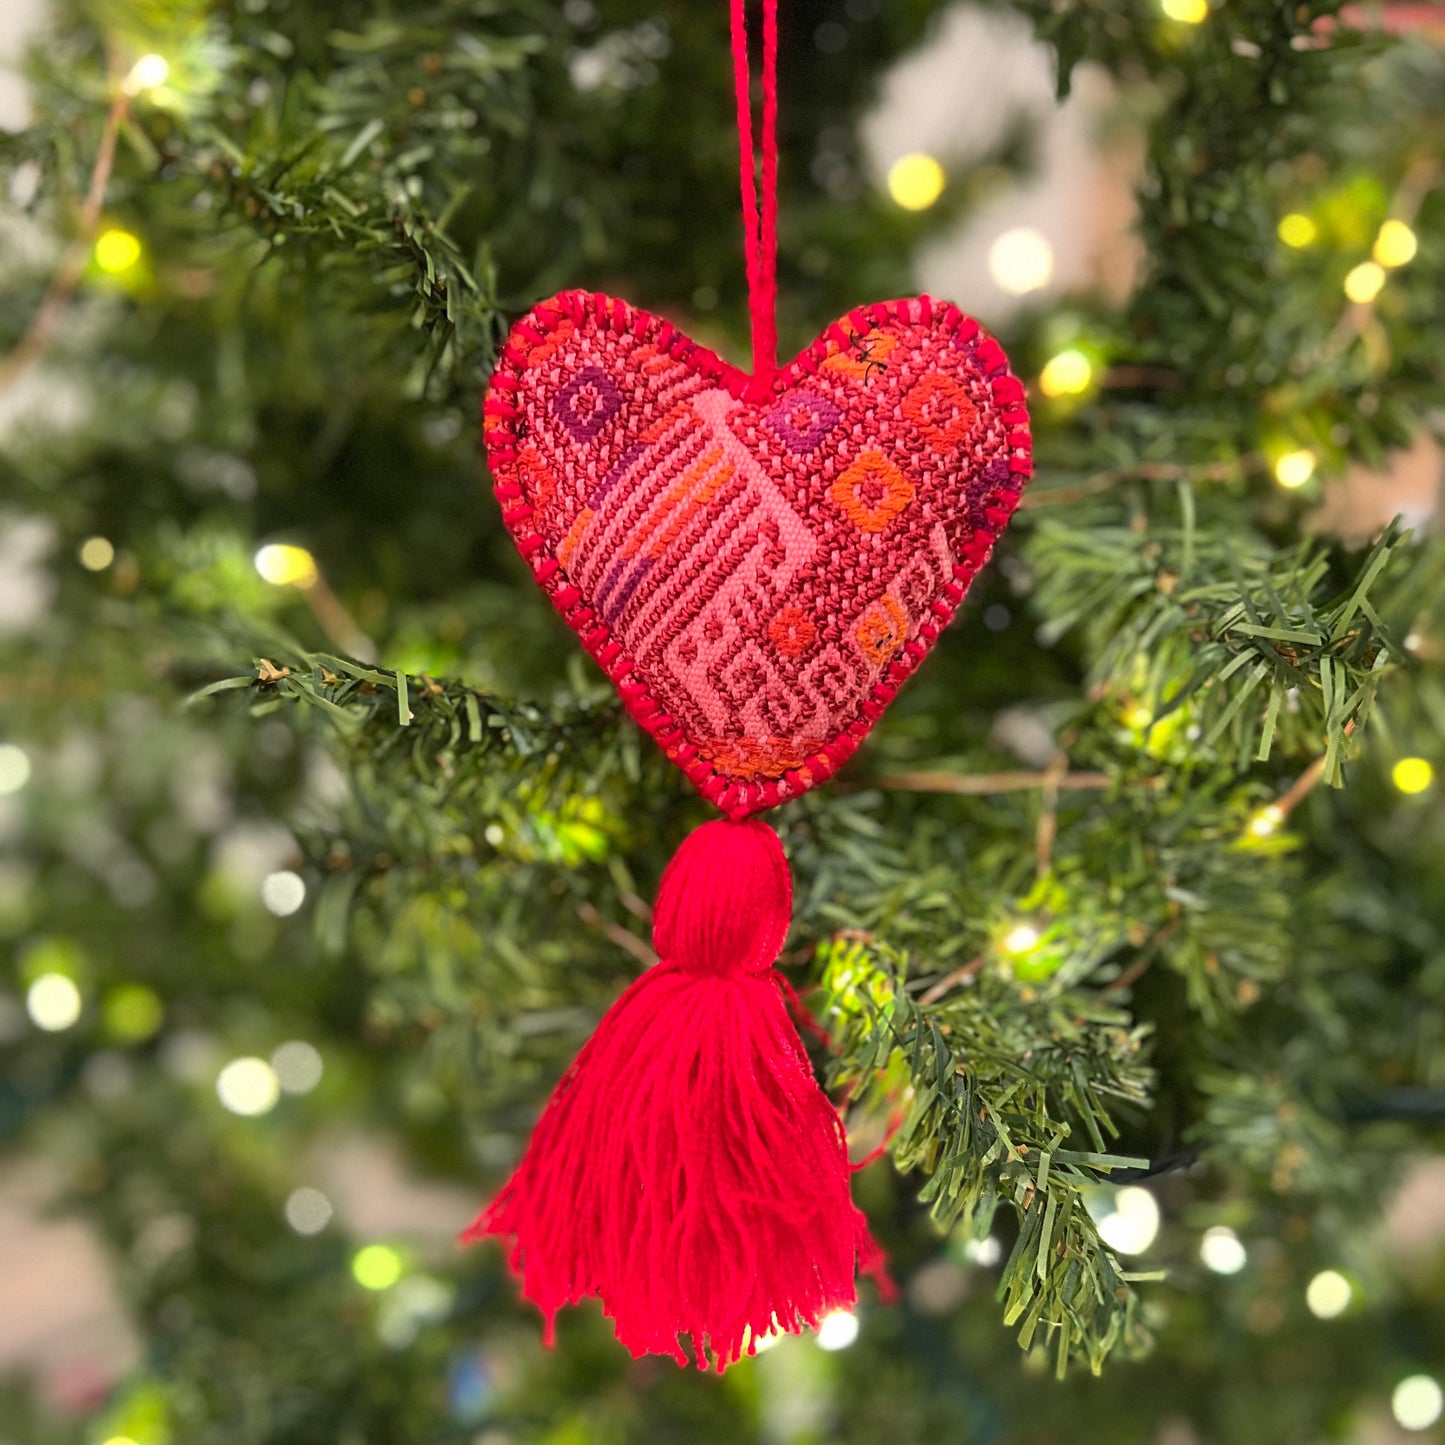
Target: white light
x,y
838,1330
14,768
248,1086
1328,1295
147,73
1221,1251
298,1067
1417,1402
308,1211
1021,938
1134,1222
53,1002
1021,261
983,1252
283,893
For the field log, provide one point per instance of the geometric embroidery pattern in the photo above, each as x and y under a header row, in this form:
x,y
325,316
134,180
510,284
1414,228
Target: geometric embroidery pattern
x,y
756,565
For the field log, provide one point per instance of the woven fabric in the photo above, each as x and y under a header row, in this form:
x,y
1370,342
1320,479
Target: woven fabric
x,y
758,564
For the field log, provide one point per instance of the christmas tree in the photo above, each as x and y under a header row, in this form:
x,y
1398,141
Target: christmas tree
x,y
322,845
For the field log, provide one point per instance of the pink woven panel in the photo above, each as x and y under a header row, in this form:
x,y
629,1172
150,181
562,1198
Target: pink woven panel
x,y
757,566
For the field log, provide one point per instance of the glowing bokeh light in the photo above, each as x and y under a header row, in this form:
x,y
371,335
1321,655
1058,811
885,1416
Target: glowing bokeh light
x,y
1221,1250
1298,230
1187,12
376,1266
1266,821
298,1066
1363,283
1417,1402
1295,468
283,565
14,768
308,1211
1328,1295
916,181
1133,1224
283,892
149,72
53,1002
1395,245
116,251
1021,261
1412,775
1020,939
248,1086
1067,374
96,554
132,1012
838,1330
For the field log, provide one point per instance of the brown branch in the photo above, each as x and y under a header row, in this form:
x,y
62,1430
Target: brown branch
x,y
63,285
951,980
1143,472
977,784
639,948
1048,826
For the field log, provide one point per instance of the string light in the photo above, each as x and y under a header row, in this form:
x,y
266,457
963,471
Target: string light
x,y
283,565
116,251
376,1267
53,1002
838,1330
1395,245
1133,1224
1187,12
1363,284
1328,1295
1298,230
283,892
148,73
1020,939
1221,1251
1417,1402
308,1211
1021,261
1295,468
1412,775
1266,821
248,1087
916,181
96,554
14,768
1067,374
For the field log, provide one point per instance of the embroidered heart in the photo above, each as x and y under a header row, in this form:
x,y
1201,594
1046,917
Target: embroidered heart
x,y
756,563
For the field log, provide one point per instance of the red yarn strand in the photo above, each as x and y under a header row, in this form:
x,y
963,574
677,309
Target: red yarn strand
x,y
760,229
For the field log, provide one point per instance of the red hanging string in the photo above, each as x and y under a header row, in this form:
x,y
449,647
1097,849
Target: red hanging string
x,y
760,228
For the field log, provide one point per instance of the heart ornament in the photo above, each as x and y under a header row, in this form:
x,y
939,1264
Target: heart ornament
x,y
757,562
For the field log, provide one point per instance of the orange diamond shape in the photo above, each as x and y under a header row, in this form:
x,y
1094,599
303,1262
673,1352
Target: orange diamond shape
x,y
871,492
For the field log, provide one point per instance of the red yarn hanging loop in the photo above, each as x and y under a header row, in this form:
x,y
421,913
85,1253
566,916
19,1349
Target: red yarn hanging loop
x,y
760,221
688,1170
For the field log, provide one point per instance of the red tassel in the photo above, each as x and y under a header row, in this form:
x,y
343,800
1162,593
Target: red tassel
x,y
688,1170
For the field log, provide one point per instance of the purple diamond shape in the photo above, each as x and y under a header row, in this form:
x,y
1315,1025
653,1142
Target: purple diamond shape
x,y
802,419
587,403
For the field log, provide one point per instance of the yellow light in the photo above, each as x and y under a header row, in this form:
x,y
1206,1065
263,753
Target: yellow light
x,y
96,554
147,73
1412,775
1363,284
1021,261
14,768
120,1440
1021,938
1266,820
1138,717
838,1330
1417,1402
377,1266
116,251
248,1087
1294,469
283,565
1328,1295
1395,245
53,1002
916,181
132,1012
1188,12
1298,230
1067,374
1221,1251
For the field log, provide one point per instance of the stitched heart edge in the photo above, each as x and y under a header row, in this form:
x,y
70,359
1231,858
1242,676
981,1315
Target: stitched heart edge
x,y
734,797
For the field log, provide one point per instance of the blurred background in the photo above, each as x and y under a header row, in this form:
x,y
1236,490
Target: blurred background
x,y
321,850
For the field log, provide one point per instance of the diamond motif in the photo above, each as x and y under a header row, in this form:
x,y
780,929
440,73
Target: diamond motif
x,y
871,492
587,403
802,420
